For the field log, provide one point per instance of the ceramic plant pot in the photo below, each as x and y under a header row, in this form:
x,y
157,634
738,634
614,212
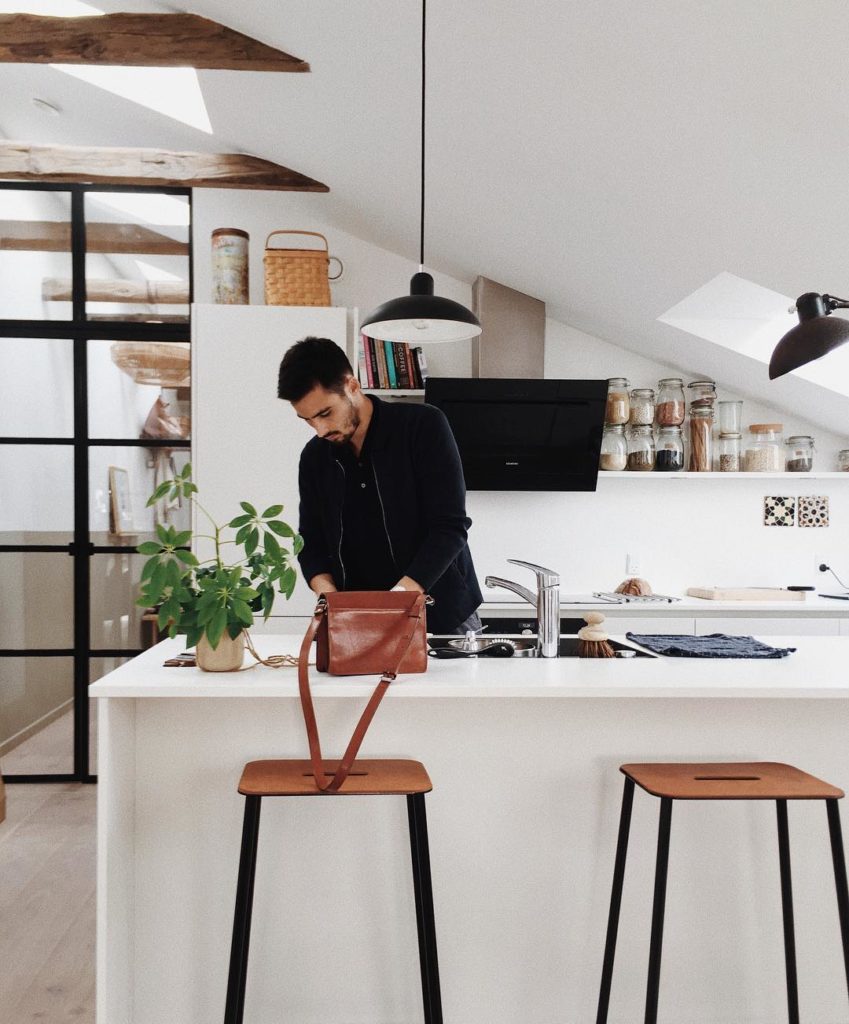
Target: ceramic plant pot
x,y
226,657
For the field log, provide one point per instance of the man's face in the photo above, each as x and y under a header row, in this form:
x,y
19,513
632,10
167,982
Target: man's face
x,y
332,416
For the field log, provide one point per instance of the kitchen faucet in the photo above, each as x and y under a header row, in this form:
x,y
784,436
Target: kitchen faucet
x,y
546,601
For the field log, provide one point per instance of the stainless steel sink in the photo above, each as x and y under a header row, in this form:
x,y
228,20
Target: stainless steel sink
x,y
526,646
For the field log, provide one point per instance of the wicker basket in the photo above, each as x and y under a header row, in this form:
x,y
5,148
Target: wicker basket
x,y
296,277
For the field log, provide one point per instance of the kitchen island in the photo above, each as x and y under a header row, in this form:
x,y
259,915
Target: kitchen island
x,y
523,755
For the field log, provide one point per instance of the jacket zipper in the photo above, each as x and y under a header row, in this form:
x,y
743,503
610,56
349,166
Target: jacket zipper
x,y
383,514
342,520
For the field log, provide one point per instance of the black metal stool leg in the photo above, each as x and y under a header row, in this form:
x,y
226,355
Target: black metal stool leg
x,y
658,909
424,909
615,901
235,1005
787,911
839,877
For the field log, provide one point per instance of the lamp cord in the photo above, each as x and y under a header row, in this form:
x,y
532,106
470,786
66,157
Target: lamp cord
x,y
422,221
827,568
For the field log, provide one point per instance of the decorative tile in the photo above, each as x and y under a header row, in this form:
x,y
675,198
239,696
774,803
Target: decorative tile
x,y
779,510
813,510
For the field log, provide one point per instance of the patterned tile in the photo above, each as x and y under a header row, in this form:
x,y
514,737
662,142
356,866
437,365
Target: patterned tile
x,y
813,510
779,510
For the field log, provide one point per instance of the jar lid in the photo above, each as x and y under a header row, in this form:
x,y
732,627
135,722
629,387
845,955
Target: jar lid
x,y
843,451
732,435
642,393
618,427
702,384
230,231
670,382
618,380
701,411
799,439
766,428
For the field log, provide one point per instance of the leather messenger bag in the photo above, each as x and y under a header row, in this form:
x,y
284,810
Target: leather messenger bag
x,y
360,632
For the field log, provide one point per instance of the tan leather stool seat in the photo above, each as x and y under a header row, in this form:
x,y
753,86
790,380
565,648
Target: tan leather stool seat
x,y
740,780
367,778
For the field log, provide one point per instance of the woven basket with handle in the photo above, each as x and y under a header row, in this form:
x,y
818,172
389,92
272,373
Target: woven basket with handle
x,y
297,277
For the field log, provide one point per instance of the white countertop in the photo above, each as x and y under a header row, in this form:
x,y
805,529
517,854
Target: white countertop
x,y
818,669
812,604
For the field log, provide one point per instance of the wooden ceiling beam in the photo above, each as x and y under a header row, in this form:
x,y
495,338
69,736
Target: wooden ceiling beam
x,y
55,236
138,40
21,161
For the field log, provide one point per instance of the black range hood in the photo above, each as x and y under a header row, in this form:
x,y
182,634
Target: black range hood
x,y
524,435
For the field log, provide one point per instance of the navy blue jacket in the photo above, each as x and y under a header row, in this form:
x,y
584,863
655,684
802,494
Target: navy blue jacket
x,y
420,483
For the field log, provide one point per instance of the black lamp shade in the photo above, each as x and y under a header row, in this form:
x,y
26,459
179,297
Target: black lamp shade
x,y
421,317
811,339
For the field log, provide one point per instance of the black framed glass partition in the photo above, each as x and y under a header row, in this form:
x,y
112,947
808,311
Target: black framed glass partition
x,y
95,293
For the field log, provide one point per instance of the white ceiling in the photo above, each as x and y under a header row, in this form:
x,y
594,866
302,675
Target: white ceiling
x,y
607,156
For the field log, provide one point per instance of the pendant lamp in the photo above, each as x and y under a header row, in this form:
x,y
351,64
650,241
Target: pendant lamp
x,y
421,316
814,336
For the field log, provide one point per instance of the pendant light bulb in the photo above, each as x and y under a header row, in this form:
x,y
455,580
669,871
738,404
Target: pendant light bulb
x,y
421,316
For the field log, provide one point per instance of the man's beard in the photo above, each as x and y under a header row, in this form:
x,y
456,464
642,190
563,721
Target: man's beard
x,y
345,433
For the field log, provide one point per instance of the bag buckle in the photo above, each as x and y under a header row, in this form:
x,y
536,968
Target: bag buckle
x,y
320,605
388,677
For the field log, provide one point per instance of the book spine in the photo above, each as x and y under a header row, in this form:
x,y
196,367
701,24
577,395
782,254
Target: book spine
x,y
389,352
421,363
373,378
401,359
382,376
362,370
369,361
411,369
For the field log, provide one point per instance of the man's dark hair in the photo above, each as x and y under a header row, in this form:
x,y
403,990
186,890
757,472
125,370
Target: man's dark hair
x,y
311,362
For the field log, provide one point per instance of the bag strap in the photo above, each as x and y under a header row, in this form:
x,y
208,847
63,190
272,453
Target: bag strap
x,y
292,231
345,765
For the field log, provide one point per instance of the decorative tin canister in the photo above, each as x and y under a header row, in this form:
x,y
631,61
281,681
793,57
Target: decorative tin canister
x,y
230,266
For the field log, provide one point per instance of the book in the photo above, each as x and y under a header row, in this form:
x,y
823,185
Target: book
x,y
403,370
412,379
382,377
421,364
391,371
362,367
370,365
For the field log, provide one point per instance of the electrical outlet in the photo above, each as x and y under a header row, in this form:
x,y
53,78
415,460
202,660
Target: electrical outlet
x,y
632,564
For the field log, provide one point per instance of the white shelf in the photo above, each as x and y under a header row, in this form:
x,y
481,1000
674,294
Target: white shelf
x,y
654,475
395,392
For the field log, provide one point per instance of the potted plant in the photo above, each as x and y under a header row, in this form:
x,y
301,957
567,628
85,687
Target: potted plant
x,y
213,602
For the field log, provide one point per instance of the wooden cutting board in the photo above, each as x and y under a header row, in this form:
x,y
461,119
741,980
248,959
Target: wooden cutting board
x,y
746,594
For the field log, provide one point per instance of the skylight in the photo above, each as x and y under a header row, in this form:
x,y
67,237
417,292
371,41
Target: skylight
x,y
749,319
174,92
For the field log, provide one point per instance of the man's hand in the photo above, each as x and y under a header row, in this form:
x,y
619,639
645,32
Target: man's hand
x,y
323,584
408,583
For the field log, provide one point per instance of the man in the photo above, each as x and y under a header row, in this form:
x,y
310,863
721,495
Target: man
x,y
382,491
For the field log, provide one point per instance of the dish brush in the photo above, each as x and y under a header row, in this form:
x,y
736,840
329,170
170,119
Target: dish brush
x,y
592,639
636,586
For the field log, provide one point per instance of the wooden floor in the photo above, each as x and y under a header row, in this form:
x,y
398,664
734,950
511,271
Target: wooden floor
x,y
47,891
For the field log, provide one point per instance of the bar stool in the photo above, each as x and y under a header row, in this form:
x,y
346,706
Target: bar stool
x,y
367,778
736,781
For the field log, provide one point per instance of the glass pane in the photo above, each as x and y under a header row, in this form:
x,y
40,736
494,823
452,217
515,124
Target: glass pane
x,y
116,620
35,255
98,667
139,389
121,481
36,715
36,490
38,392
137,261
36,600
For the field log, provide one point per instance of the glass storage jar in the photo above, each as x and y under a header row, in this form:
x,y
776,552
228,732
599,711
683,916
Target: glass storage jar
x,y
618,407
702,394
800,453
614,448
642,407
730,417
843,460
728,453
669,411
764,452
669,457
641,453
701,437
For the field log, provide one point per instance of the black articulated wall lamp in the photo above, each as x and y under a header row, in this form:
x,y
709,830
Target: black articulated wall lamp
x,y
421,316
814,336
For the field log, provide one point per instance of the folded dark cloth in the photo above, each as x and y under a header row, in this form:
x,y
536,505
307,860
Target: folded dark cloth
x,y
714,645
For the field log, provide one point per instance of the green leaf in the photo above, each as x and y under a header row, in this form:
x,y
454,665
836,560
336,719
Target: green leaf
x,y
216,628
252,541
272,511
281,529
240,521
249,509
235,628
272,548
297,544
186,556
149,547
189,489
186,471
244,531
287,582
243,613
162,534
159,493
182,539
